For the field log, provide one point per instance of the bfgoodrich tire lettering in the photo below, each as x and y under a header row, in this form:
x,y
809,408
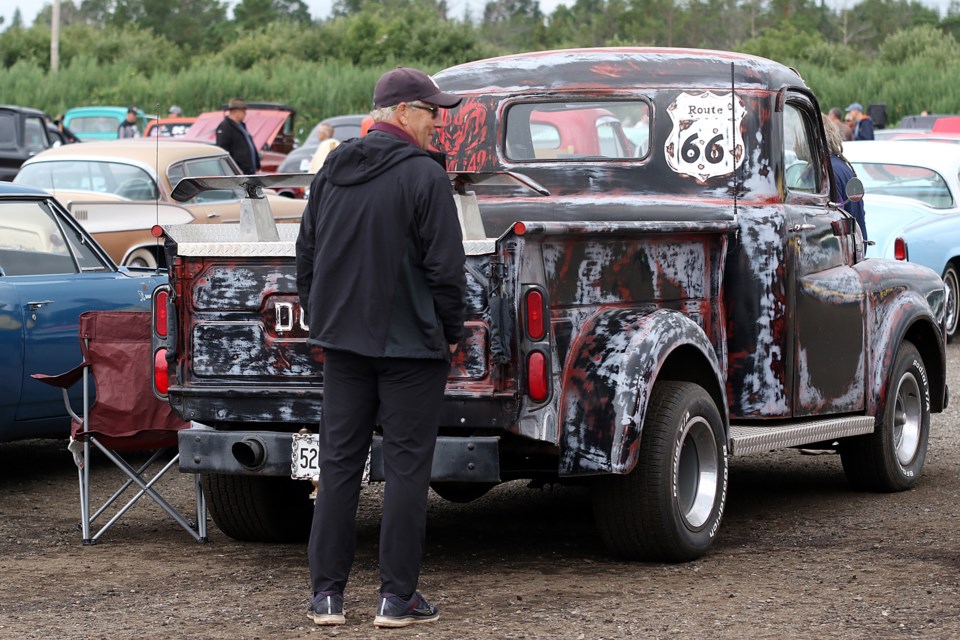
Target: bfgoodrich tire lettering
x,y
891,458
669,507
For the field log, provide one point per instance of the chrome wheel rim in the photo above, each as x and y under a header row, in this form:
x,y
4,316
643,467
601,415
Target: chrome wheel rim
x,y
950,301
698,465
907,419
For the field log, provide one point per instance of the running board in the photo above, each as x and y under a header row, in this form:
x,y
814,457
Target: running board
x,y
747,439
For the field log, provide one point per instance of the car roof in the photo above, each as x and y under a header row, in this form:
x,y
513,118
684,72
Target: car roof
x,y
922,153
11,189
28,110
95,109
148,151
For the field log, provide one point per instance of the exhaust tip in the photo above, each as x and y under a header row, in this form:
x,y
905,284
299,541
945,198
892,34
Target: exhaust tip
x,y
251,453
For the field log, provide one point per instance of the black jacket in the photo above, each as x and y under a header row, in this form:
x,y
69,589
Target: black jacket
x,y
230,136
380,255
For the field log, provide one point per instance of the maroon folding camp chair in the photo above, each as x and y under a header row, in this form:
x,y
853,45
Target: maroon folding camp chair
x,y
124,417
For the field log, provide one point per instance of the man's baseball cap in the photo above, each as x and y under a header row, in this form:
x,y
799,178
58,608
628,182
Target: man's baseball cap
x,y
406,85
856,106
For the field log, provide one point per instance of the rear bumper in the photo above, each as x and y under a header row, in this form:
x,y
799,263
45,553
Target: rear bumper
x,y
268,453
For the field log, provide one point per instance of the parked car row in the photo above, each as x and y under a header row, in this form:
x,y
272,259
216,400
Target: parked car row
x,y
120,189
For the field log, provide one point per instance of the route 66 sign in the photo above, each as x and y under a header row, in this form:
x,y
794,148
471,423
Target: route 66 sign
x,y
700,142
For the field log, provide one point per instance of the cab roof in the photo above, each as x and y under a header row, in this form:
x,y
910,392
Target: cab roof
x,y
618,68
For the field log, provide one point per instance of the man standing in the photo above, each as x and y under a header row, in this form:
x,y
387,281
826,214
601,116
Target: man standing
x,y
380,271
128,128
861,123
233,136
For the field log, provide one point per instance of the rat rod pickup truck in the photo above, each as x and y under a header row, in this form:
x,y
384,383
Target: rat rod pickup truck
x,y
659,277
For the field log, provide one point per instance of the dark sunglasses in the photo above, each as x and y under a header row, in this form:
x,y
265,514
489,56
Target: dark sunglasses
x,y
434,111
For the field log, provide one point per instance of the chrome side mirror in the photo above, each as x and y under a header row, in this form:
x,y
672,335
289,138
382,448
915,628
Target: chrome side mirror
x,y
854,190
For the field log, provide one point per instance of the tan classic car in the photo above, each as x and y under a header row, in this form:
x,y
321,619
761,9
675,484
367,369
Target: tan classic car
x,y
118,190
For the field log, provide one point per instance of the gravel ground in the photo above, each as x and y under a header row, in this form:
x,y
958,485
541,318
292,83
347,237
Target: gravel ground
x,y
798,555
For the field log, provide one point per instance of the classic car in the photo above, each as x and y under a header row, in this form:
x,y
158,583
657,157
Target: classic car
x,y
924,171
344,128
171,127
271,125
51,271
632,321
119,190
100,123
23,133
935,242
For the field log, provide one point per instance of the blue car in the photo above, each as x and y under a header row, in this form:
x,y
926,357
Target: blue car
x,y
906,229
935,243
51,271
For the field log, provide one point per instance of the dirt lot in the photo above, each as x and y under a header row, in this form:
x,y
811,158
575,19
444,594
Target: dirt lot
x,y
799,555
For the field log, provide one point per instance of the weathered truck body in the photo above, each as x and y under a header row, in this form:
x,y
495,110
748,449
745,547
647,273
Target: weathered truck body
x,y
686,290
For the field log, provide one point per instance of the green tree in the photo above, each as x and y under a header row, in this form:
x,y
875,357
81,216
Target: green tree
x,y
253,14
69,14
877,19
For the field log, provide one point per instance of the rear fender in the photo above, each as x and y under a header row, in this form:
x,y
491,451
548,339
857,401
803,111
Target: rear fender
x,y
609,376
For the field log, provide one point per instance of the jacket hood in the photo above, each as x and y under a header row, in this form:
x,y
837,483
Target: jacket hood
x,y
362,159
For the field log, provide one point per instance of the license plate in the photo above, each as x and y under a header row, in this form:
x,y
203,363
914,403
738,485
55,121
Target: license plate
x,y
305,456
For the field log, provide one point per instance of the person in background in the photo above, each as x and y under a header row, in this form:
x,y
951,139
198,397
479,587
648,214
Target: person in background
x,y
174,111
232,136
128,128
380,271
843,172
836,115
861,123
327,144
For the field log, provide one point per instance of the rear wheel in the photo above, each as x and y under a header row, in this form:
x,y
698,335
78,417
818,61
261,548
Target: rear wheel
x,y
952,302
891,458
142,258
260,508
669,507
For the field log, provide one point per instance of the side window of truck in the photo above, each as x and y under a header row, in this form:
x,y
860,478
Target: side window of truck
x,y
801,169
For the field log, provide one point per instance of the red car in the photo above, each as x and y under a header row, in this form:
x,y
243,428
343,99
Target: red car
x,y
270,124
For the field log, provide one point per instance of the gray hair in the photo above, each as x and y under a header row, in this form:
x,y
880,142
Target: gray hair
x,y
834,139
383,113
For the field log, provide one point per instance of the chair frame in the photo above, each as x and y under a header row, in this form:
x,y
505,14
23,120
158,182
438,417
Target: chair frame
x,y
87,440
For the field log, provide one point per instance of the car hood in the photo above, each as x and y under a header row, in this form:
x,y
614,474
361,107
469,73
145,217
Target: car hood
x,y
262,124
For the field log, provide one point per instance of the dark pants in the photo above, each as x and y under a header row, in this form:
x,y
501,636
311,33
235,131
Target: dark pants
x,y
406,394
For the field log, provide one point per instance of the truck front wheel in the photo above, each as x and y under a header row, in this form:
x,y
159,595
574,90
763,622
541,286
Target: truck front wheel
x,y
669,507
891,458
259,508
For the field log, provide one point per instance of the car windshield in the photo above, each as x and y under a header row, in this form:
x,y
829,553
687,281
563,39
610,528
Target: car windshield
x,y
205,167
906,181
114,178
94,124
32,243
552,131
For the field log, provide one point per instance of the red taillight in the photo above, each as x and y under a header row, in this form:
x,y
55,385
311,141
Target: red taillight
x,y
161,382
156,231
537,376
160,299
900,249
535,321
